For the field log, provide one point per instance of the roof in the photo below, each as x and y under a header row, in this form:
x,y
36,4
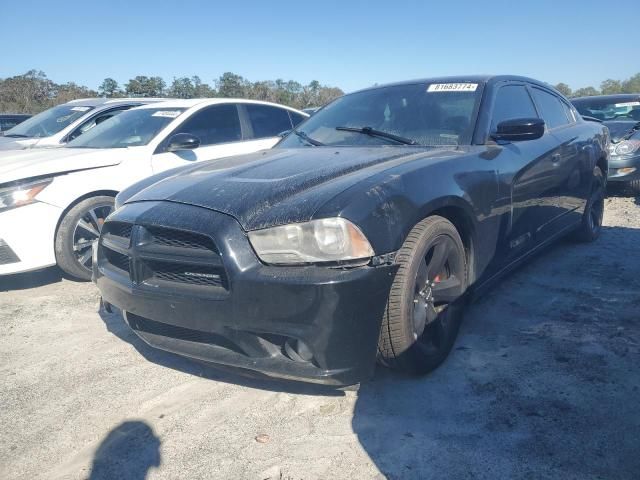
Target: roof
x,y
96,102
464,79
192,102
612,98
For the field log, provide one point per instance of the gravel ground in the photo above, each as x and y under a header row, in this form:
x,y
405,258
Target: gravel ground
x,y
543,383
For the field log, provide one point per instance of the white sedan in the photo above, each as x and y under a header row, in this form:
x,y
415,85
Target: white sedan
x,y
53,202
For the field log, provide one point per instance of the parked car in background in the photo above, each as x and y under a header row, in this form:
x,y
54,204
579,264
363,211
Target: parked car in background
x,y
59,125
10,120
53,202
621,114
360,234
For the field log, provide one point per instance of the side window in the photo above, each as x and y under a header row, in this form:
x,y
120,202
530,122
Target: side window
x,y
551,108
213,125
96,120
512,101
267,121
296,118
569,113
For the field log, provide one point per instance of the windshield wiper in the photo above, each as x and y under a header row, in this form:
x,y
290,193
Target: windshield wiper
x,y
15,135
308,139
378,133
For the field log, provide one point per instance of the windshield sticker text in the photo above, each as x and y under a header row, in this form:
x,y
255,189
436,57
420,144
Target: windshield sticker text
x,y
166,113
452,87
627,104
79,109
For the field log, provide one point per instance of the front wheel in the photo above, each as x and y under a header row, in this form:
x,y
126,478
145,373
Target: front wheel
x,y
79,228
425,304
591,225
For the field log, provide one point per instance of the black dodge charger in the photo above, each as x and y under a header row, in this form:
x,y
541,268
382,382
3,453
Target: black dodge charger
x,y
361,235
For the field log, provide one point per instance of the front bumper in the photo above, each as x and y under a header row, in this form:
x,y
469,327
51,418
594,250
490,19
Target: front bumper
x,y
307,323
27,237
618,164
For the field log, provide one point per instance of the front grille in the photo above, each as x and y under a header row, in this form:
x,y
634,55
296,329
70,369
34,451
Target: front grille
x,y
119,229
6,254
161,256
181,239
116,259
187,274
147,325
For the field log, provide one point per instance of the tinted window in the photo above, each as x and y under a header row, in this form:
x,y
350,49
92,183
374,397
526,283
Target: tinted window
x,y
624,108
212,125
268,121
296,118
568,111
426,113
512,101
551,108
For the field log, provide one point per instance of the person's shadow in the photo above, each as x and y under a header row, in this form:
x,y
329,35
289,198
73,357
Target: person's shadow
x,y
129,451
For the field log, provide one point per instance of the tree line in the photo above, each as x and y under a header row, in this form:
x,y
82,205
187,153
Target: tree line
x,y
33,92
607,87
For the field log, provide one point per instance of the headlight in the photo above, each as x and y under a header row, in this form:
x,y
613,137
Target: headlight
x,y
324,240
19,195
627,146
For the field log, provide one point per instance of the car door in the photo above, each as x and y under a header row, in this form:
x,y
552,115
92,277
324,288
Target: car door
x,y
528,174
219,130
571,161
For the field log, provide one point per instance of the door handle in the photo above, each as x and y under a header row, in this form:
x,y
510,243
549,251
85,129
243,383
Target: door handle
x,y
555,158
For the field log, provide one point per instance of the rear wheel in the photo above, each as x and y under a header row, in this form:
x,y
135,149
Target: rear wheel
x,y
425,304
79,228
591,224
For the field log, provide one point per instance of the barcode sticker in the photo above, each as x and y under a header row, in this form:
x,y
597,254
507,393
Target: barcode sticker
x,y
167,113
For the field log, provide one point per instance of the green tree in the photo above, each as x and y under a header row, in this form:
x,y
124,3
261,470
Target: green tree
x,y
585,92
109,88
231,85
610,87
31,92
143,86
631,85
72,91
182,88
564,89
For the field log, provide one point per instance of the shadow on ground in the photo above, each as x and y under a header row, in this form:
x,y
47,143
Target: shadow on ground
x,y
129,451
26,280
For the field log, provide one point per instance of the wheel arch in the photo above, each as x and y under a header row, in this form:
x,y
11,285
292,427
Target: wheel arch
x,y
95,193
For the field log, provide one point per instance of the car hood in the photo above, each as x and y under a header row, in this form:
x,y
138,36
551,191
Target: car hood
x,y
16,143
23,164
619,129
279,186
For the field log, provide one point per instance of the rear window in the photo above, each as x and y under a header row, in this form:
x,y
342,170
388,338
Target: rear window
x,y
551,108
267,121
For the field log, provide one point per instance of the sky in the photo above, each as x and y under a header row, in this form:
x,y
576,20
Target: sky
x,y
348,44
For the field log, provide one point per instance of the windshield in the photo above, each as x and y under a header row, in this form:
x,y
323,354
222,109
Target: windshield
x,y
49,122
419,114
610,109
132,128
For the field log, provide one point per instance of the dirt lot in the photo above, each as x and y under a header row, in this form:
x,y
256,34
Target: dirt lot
x,y
544,382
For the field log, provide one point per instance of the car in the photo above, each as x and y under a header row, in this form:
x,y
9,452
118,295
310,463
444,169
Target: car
x,y
361,235
53,202
10,120
61,124
621,114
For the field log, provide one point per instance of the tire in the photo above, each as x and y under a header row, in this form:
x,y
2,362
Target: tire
x,y
77,231
634,186
591,224
410,340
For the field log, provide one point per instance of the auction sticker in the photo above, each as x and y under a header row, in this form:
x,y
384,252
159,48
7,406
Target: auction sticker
x,y
167,113
627,104
452,87
80,109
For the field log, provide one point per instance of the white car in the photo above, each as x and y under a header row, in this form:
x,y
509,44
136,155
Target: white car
x,y
59,125
53,202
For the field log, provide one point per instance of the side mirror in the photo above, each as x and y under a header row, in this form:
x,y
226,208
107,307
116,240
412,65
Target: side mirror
x,y
519,129
183,141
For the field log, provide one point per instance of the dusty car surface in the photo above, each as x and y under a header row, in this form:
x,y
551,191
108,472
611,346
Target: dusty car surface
x,y
621,114
361,234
